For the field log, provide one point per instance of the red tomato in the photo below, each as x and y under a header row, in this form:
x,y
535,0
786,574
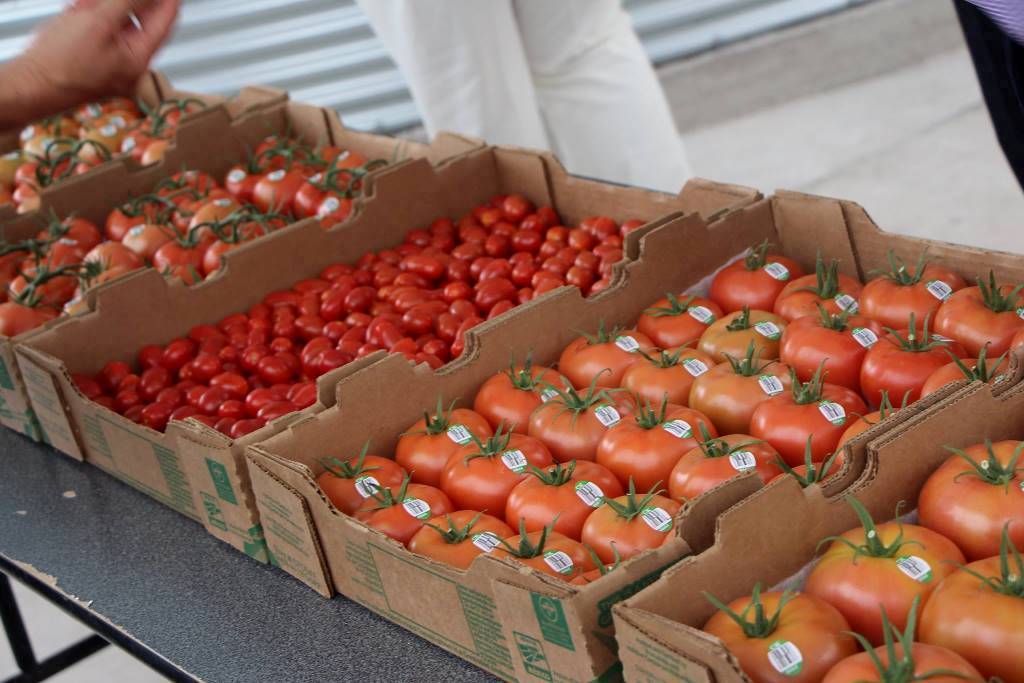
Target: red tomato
x,y
753,282
826,289
571,424
399,512
628,525
667,375
837,340
458,538
562,496
917,664
276,190
985,315
511,396
729,392
732,335
716,460
601,360
892,298
978,369
425,448
547,551
672,322
349,483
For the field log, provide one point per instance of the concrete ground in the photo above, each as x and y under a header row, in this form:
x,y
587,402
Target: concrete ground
x,y
879,105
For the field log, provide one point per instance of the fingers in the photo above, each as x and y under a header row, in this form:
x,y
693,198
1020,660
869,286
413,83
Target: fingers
x,y
113,12
157,18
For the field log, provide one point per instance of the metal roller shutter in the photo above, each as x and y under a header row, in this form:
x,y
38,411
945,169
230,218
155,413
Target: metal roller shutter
x,y
324,52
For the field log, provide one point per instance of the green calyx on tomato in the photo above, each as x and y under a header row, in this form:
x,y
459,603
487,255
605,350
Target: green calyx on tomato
x,y
344,469
647,417
916,342
573,401
456,534
990,470
491,447
527,549
996,301
160,115
634,507
603,336
758,256
761,625
1011,576
31,296
289,151
898,272
329,180
748,366
900,666
815,474
556,475
675,307
387,498
826,284
524,379
873,545
439,422
811,390
713,447
983,371
664,359
740,322
599,563
838,322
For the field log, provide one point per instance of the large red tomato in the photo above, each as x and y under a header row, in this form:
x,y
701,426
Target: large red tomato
x,y
349,483
458,538
815,410
922,662
892,298
869,420
837,340
667,374
988,314
563,495
730,392
399,512
547,551
753,282
672,322
891,565
512,395
571,423
716,460
972,496
979,369
425,448
826,290
780,637
628,525
733,334
602,358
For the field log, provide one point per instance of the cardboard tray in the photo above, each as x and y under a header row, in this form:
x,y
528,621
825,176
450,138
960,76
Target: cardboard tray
x,y
659,630
200,472
332,552
213,141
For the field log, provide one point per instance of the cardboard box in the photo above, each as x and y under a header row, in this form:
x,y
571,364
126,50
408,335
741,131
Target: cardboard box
x,y
773,534
331,552
213,141
200,472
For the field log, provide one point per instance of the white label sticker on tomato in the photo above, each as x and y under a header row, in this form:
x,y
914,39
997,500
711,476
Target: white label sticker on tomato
x,y
915,567
367,486
694,367
547,395
558,561
118,121
680,429
864,337
845,302
768,329
28,133
327,206
222,202
770,384
416,507
941,339
237,175
315,178
108,131
785,657
833,412
742,461
275,176
459,434
939,289
590,493
656,518
514,460
136,230
486,541
627,343
701,314
607,415
93,110
777,271
128,144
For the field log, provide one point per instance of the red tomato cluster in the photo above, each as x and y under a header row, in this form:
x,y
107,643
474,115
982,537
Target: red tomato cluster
x,y
71,143
417,299
907,583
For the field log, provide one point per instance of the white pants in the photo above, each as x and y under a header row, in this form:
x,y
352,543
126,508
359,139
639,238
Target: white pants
x,y
566,75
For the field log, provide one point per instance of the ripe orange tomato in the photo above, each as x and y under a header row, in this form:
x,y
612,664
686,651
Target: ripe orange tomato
x,y
891,298
786,637
425,448
16,318
730,392
978,369
512,395
349,483
869,420
628,525
840,341
715,460
923,659
753,282
481,474
602,358
645,448
667,374
145,239
458,538
974,494
891,565
813,410
902,361
672,322
571,424
401,512
114,255
827,289
561,496
977,612
732,334
980,316
547,551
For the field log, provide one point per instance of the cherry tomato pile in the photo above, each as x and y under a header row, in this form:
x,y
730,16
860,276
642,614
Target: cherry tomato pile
x,y
951,586
73,142
693,395
417,299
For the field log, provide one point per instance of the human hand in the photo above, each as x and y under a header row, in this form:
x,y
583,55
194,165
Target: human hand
x,y
92,50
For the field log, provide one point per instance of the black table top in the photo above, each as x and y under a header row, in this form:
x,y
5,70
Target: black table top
x,y
174,595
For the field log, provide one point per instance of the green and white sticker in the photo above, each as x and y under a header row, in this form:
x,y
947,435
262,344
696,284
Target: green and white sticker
x,y
656,518
128,144
277,175
366,486
237,175
459,434
865,337
777,271
547,395
590,493
770,384
939,289
514,460
607,415
417,507
327,206
845,302
486,541
915,567
558,561
108,131
701,314
833,412
627,343
742,461
768,329
695,367
680,429
785,657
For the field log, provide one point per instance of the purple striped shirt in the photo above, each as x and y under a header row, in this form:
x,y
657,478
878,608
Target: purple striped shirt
x,y
1009,14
